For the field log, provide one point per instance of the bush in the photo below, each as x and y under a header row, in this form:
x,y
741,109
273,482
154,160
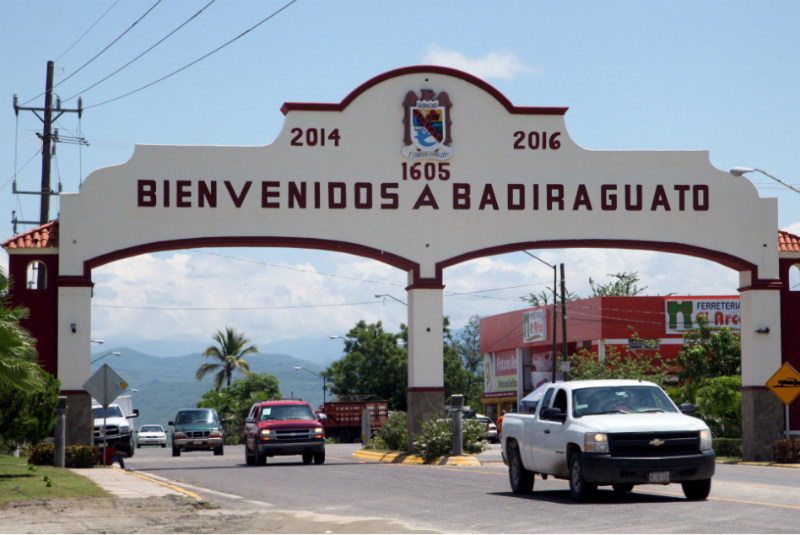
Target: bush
x,y
333,440
728,447
232,440
81,456
42,454
394,432
436,438
376,443
786,451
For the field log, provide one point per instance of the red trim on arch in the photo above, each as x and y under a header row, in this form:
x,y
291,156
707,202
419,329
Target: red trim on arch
x,y
725,259
420,69
75,281
242,241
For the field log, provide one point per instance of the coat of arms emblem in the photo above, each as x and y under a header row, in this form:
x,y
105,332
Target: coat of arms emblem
x,y
427,126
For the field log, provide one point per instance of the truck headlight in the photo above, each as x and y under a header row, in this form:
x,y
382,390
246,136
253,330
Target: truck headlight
x,y
318,430
265,432
124,429
706,442
596,442
216,433
179,434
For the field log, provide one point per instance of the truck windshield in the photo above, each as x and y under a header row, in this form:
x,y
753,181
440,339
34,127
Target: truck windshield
x,y
151,429
620,399
112,412
286,412
196,417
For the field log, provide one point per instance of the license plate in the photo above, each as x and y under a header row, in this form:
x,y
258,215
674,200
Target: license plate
x,y
658,477
200,443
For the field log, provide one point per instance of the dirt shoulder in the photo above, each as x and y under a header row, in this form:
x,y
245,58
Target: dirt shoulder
x,y
174,514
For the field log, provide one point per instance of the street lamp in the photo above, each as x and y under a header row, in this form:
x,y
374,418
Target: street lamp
x,y
739,171
555,316
324,379
378,296
115,353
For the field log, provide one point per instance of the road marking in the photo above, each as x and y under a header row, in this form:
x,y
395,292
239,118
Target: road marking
x,y
163,484
349,460
757,485
767,504
209,491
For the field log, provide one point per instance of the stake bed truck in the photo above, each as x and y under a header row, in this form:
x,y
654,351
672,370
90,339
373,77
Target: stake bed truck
x,y
612,432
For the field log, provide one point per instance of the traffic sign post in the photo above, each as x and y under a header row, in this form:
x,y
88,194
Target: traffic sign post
x,y
105,386
786,385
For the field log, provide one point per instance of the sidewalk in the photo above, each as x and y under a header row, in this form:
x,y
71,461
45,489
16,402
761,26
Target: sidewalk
x,y
130,484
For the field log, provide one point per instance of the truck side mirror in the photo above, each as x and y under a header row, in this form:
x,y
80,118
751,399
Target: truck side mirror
x,y
688,409
135,414
171,423
554,415
249,420
322,417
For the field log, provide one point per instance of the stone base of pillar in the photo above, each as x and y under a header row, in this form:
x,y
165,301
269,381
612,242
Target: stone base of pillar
x,y
762,423
424,404
80,424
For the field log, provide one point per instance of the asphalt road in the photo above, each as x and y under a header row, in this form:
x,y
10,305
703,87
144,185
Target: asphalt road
x,y
744,499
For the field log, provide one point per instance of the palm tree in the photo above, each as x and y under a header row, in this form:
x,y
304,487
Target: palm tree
x,y
18,355
229,353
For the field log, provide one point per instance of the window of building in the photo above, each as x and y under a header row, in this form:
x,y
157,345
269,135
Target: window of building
x,y
794,278
36,278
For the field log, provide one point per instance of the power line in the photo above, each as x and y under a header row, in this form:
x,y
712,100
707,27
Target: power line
x,y
238,308
87,31
99,53
143,53
195,61
35,154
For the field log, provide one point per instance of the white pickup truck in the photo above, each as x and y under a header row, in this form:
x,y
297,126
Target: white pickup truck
x,y
612,432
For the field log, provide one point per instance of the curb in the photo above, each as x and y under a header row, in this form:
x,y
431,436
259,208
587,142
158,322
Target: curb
x,y
403,458
743,463
173,487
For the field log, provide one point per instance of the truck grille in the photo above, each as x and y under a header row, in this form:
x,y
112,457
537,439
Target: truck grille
x,y
654,444
111,430
294,435
198,434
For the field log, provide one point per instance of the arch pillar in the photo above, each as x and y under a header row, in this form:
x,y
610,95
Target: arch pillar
x,y
75,355
425,393
762,411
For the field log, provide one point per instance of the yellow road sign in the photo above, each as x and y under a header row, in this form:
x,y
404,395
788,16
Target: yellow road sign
x,y
785,383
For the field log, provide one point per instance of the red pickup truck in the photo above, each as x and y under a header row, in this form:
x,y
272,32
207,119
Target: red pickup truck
x,y
285,427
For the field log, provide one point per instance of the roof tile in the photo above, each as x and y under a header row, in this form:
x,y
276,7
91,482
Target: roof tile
x,y
38,238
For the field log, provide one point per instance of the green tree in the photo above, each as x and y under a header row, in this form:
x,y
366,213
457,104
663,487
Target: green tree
x,y
233,403
468,346
373,364
543,298
586,365
623,286
18,355
25,416
708,353
229,354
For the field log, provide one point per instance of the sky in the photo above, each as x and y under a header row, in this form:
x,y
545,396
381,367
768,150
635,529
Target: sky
x,y
720,76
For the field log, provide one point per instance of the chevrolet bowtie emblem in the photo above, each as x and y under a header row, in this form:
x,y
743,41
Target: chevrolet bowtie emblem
x,y
656,442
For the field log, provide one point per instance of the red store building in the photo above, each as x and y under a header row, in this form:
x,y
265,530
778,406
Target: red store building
x,y
518,346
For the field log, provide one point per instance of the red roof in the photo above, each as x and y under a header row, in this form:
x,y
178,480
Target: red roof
x,y
788,242
38,238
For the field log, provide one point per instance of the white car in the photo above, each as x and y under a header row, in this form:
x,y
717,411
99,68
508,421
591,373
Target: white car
x,y
151,435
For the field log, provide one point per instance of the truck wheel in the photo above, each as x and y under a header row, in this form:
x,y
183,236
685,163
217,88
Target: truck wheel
x,y
248,460
307,458
580,489
697,490
138,445
622,487
260,460
164,445
176,452
346,436
319,458
520,478
220,450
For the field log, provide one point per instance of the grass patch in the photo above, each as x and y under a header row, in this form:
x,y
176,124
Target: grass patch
x,y
729,460
18,482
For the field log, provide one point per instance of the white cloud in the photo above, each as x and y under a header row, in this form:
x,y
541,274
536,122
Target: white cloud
x,y
794,228
494,65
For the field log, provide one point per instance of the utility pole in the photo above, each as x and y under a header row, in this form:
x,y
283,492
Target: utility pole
x,y
48,139
563,314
